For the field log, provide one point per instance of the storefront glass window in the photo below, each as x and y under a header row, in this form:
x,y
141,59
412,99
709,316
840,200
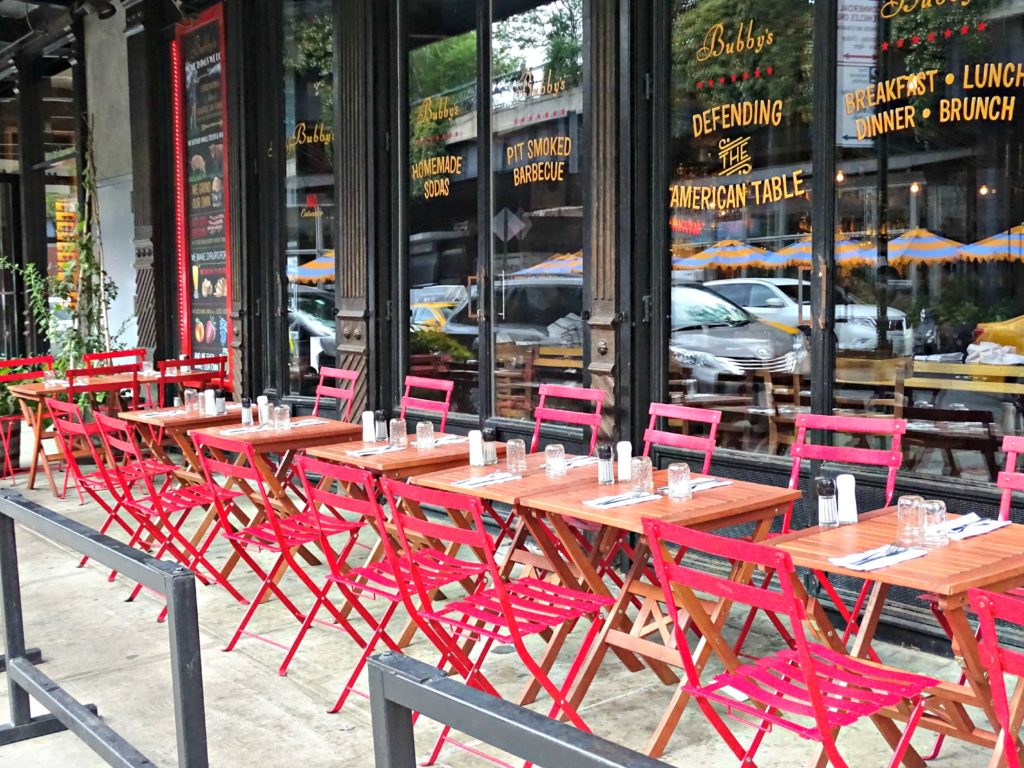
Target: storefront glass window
x,y
442,180
310,214
60,168
929,186
537,218
739,214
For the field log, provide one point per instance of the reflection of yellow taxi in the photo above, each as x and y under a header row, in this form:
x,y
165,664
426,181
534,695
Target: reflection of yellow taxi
x,y
1007,333
429,315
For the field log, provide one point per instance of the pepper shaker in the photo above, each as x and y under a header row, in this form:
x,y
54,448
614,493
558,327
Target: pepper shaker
x,y
605,468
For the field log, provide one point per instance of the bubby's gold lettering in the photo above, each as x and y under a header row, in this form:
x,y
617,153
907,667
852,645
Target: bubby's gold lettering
x,y
718,42
738,115
893,89
994,108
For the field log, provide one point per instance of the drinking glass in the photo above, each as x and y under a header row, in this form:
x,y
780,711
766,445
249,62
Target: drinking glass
x,y
398,435
282,417
515,455
424,434
679,481
147,368
935,532
909,521
191,400
554,460
641,475
49,378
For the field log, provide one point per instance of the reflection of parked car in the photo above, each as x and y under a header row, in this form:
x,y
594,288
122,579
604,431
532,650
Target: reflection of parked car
x,y
712,336
788,301
311,325
1007,333
524,308
429,315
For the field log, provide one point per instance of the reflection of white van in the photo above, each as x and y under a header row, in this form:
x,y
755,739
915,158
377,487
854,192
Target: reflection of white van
x,y
788,301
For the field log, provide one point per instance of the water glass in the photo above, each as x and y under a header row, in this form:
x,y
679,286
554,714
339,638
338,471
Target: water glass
x,y
424,434
397,433
191,400
147,368
935,532
554,460
909,521
515,455
282,417
49,378
641,475
679,481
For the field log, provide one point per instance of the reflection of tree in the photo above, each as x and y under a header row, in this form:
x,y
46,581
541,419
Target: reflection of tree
x,y
313,58
789,55
556,28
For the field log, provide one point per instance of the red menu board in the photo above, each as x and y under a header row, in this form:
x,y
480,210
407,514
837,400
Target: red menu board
x,y
201,204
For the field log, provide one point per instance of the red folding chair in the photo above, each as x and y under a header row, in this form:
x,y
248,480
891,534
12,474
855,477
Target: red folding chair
x,y
191,373
265,531
859,428
547,414
159,509
495,611
87,381
343,394
808,689
15,371
1000,661
416,403
118,357
653,436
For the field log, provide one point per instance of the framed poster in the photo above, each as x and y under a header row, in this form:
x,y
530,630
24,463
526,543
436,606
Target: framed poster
x,y
201,185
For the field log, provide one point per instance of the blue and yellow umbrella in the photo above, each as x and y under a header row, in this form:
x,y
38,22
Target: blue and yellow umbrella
x,y
319,270
1002,247
559,264
728,254
848,253
919,246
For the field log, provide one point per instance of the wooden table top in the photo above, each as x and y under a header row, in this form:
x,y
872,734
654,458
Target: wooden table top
x,y
739,502
315,431
398,462
992,560
178,418
38,389
533,480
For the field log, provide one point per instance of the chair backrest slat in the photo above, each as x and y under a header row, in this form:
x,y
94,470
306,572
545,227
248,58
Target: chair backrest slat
x,y
414,402
353,477
545,413
345,394
133,357
1010,479
686,414
37,365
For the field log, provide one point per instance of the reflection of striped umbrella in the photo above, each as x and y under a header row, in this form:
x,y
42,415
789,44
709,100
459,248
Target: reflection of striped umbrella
x,y
320,270
1005,245
919,246
729,254
848,253
559,264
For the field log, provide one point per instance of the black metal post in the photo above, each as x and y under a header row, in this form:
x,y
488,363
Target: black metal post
x,y
14,624
393,743
186,669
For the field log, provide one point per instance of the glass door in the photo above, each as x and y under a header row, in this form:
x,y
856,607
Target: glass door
x,y
10,232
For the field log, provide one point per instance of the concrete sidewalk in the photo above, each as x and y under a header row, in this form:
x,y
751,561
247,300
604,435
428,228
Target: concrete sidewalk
x,y
114,654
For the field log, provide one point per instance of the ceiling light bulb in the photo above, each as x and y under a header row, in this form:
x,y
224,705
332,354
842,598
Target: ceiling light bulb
x,y
915,188
840,176
983,190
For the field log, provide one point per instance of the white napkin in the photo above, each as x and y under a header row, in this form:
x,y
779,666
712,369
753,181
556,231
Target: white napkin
x,y
621,500
375,450
703,484
577,461
245,430
492,479
308,422
972,525
850,561
449,439
155,414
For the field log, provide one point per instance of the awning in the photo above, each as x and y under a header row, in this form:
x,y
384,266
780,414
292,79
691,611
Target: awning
x,y
729,254
919,246
1002,247
559,264
848,253
320,270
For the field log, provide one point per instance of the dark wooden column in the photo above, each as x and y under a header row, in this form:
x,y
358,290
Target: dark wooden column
x,y
600,241
149,94
354,169
33,198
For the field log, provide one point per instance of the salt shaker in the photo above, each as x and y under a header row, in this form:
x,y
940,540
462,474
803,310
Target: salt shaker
x,y
246,410
263,409
624,452
828,512
209,402
380,426
605,468
369,433
476,448
490,449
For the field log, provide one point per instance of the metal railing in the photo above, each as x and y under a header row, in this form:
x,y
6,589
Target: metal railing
x,y
400,686
66,713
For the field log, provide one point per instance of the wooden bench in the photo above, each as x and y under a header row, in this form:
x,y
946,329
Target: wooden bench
x,y
566,358
967,377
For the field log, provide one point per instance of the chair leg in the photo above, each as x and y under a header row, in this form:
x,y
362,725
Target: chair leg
x,y
908,732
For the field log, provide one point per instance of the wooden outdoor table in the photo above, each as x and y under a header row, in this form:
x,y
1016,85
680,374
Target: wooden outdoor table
x,y
713,509
176,423
406,463
993,561
31,397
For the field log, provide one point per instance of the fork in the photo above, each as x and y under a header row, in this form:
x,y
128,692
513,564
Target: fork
x,y
969,524
620,498
891,549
